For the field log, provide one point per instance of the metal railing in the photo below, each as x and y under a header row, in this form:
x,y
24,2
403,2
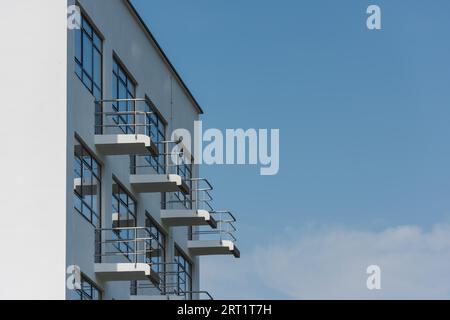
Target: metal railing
x,y
131,244
174,280
168,161
225,228
201,197
123,116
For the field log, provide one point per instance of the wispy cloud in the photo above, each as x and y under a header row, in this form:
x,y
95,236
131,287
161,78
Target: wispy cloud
x,y
331,264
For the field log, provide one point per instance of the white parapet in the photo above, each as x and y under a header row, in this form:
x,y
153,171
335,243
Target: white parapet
x,y
148,183
213,247
125,144
125,272
179,218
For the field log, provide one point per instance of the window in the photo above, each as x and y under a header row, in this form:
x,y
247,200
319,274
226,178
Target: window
x,y
157,256
157,132
184,170
87,185
124,218
185,277
88,291
88,58
123,88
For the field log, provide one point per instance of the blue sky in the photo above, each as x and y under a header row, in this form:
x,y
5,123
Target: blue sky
x,y
363,118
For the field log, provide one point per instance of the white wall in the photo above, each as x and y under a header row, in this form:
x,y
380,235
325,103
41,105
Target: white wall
x,y
33,149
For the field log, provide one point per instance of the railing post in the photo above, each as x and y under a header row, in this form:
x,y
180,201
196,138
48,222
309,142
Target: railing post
x,y
135,246
220,228
135,120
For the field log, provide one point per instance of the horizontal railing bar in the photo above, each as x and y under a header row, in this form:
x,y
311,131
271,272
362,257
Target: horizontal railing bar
x,y
229,234
123,100
122,228
118,113
225,212
121,125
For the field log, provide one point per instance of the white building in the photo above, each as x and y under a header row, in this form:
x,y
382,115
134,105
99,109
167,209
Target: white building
x,y
92,179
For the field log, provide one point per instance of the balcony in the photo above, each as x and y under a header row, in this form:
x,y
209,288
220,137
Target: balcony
x,y
220,241
122,255
124,272
180,218
167,172
122,129
151,183
199,201
172,286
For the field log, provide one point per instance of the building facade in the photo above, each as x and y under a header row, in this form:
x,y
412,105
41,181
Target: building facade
x,y
138,214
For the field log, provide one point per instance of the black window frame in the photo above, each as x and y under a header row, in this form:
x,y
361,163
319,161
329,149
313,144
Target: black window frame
x,y
186,267
89,32
95,168
121,75
160,236
124,247
185,170
93,288
157,132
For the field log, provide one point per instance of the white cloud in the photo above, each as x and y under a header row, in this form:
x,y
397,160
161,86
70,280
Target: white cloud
x,y
332,264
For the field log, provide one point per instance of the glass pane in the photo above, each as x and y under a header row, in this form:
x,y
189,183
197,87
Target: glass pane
x,y
87,55
78,70
98,96
77,203
87,159
78,44
96,221
130,86
122,75
87,81
77,167
131,206
122,94
122,210
87,27
115,90
96,168
97,68
97,42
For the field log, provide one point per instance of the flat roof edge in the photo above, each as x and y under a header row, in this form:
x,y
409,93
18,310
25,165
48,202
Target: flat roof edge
x,y
163,55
